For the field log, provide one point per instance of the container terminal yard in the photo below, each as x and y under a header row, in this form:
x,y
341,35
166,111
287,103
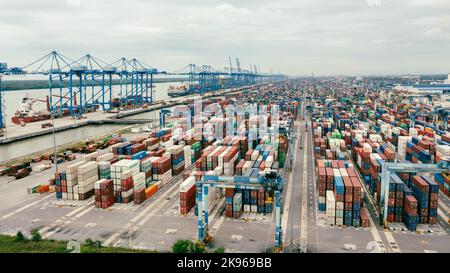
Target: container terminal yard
x,y
253,163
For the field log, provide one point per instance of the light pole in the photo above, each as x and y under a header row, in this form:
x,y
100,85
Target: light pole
x,y
54,143
2,112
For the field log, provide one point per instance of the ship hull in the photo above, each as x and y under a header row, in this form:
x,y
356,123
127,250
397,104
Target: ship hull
x,y
29,119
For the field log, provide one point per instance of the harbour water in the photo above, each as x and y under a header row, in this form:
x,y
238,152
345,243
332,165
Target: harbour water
x,y
21,148
13,98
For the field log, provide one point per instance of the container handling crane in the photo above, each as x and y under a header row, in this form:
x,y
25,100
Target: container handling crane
x,y
390,167
162,117
441,112
270,180
2,108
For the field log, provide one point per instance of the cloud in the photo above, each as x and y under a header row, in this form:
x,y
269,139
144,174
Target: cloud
x,y
436,31
294,36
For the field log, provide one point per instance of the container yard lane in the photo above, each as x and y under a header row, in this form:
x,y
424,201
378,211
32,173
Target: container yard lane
x,y
162,201
299,217
291,221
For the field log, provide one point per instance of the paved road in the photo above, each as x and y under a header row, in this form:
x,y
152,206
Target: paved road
x,y
301,192
156,224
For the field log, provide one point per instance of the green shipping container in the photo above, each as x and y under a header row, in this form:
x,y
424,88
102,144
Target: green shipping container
x,y
281,158
106,139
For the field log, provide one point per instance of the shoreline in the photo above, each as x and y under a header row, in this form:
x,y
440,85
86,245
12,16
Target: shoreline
x,y
20,85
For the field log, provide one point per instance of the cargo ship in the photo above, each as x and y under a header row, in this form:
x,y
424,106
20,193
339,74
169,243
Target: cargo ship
x,y
26,114
178,91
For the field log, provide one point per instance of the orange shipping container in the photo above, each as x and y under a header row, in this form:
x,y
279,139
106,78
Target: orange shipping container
x,y
150,191
42,189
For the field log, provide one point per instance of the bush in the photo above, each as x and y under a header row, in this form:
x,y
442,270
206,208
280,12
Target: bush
x,y
35,235
20,237
89,242
186,246
181,246
219,250
98,243
196,248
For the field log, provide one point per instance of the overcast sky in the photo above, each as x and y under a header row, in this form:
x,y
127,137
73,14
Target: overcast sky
x,y
295,37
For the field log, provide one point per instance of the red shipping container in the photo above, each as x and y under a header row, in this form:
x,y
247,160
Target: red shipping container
x,y
410,205
364,218
348,186
229,192
351,172
138,140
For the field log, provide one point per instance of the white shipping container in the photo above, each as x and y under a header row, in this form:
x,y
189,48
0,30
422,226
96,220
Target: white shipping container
x,y
255,155
40,168
343,172
128,193
367,148
98,183
87,167
105,157
71,183
91,156
73,168
443,149
336,172
168,143
187,184
88,174
153,147
70,176
137,130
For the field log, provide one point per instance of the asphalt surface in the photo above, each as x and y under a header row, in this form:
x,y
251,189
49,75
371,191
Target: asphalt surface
x,y
156,224
323,238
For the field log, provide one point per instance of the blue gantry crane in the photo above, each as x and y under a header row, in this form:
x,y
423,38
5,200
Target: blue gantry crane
x,y
392,167
85,84
270,180
2,109
205,78
162,117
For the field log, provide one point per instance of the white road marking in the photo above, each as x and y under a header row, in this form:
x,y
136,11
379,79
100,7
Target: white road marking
x,y
171,231
61,219
286,205
314,189
445,209
304,212
89,225
235,237
219,222
442,214
392,242
25,207
69,221
152,207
